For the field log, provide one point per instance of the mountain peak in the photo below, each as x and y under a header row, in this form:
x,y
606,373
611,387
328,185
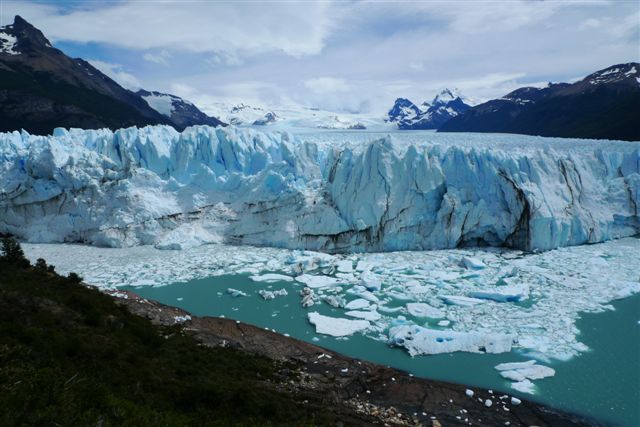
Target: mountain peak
x,y
25,37
445,96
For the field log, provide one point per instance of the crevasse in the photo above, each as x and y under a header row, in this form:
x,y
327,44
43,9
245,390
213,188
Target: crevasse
x,y
173,190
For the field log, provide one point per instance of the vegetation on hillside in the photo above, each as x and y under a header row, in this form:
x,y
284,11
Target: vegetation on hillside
x,y
69,355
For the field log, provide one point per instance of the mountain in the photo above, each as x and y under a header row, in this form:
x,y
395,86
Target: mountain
x,y
603,105
181,112
445,105
41,88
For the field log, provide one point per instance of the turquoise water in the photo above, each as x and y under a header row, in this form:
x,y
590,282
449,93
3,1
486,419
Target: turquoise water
x,y
603,383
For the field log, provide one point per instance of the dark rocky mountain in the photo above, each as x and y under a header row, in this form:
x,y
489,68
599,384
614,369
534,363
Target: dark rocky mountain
x,y
603,105
403,109
181,112
445,105
41,88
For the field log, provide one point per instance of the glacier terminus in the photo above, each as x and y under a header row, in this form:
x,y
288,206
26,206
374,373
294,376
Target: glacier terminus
x,y
328,191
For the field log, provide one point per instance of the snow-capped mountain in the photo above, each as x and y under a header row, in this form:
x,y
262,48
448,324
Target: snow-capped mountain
x,y
603,105
181,112
332,193
445,105
403,109
41,88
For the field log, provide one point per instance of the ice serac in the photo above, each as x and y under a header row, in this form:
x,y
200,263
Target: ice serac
x,y
157,186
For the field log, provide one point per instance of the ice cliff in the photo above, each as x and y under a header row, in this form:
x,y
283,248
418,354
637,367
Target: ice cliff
x,y
424,191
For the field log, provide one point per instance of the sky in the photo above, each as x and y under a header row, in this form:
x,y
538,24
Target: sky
x,y
351,56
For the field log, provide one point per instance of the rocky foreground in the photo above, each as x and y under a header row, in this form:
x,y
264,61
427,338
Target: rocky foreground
x,y
358,392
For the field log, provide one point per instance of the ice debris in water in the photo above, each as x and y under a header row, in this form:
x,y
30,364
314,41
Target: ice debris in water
x,y
267,295
336,327
271,278
236,293
420,340
558,285
308,296
520,371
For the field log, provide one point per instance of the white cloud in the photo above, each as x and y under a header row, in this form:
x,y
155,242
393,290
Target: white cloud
x,y
117,73
322,85
347,55
296,29
161,57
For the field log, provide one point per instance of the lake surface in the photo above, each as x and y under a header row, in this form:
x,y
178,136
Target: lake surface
x,y
603,382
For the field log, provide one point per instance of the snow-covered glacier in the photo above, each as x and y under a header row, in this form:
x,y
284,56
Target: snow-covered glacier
x,y
326,191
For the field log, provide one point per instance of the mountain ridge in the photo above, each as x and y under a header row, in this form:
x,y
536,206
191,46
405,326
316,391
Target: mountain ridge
x,y
603,105
41,88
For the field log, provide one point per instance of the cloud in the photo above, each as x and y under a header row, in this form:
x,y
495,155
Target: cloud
x,y
322,85
117,73
342,55
296,29
161,57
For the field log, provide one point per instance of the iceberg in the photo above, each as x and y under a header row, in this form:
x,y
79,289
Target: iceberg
x,y
418,309
336,327
323,192
419,340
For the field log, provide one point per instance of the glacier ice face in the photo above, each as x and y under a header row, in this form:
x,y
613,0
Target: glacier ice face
x,y
329,191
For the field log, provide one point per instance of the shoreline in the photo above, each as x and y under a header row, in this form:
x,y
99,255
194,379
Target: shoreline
x,y
370,392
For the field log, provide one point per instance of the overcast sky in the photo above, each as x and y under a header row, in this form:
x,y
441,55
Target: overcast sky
x,y
351,56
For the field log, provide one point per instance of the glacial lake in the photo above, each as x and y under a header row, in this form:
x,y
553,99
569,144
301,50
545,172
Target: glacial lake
x,y
603,383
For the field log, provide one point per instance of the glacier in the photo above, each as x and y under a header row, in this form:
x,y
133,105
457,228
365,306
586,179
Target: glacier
x,y
327,191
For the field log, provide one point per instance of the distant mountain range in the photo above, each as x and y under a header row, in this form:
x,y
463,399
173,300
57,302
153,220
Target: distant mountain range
x,y
446,105
41,88
603,105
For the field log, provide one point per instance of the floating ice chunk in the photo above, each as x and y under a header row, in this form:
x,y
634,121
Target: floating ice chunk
x,y
308,296
419,309
271,277
526,370
370,281
336,327
472,263
345,266
316,281
461,300
420,340
236,293
371,316
335,301
503,293
524,386
267,295
510,366
362,292
357,304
